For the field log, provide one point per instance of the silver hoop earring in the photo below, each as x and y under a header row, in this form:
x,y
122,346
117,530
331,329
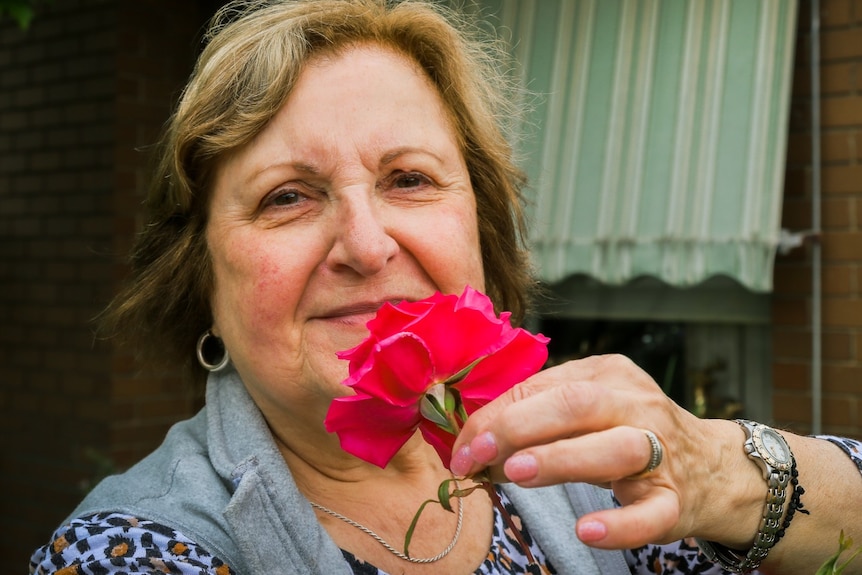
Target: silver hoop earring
x,y
210,345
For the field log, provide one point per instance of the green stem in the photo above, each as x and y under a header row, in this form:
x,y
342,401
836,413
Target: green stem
x,y
453,421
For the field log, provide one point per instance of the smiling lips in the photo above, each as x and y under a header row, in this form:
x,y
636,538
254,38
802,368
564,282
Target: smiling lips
x,y
358,312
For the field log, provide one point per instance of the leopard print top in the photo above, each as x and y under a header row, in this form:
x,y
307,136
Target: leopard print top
x,y
111,543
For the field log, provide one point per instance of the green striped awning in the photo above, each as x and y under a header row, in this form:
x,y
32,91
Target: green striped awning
x,y
660,135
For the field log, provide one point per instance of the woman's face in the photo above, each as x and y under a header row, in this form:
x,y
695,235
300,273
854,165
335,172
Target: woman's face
x,y
355,194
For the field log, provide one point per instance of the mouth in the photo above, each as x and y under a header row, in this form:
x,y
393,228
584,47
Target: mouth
x,y
356,313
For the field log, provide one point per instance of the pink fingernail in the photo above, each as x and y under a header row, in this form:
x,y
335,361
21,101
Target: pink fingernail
x,y
462,461
591,531
522,467
484,447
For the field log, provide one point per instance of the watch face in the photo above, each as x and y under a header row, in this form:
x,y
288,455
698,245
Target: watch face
x,y
775,446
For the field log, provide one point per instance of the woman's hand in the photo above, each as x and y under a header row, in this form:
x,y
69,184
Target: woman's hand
x,y
584,421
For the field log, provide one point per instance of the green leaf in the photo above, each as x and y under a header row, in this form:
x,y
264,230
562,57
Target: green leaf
x,y
432,408
464,492
20,10
443,495
445,501
450,400
462,412
456,408
409,536
458,377
831,566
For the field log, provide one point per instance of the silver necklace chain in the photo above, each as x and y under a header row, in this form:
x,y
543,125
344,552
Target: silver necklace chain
x,y
389,547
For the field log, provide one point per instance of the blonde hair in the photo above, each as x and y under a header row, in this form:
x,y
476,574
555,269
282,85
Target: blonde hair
x,y
254,55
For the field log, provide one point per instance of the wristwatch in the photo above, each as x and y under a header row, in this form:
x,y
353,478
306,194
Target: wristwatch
x,y
768,449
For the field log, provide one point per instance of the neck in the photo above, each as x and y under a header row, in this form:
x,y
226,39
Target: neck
x,y
368,510
313,461
324,472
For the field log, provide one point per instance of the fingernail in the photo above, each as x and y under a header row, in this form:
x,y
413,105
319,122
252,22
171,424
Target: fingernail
x,y
522,467
484,447
591,531
462,461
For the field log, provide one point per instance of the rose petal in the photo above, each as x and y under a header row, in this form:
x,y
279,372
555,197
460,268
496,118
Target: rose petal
x,y
414,345
398,370
392,319
457,338
388,321
441,440
369,428
523,356
472,299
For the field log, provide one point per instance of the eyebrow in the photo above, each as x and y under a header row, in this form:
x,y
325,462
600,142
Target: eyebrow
x,y
312,170
393,155
298,166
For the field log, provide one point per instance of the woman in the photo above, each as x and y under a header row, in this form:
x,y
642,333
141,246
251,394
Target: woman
x,y
328,157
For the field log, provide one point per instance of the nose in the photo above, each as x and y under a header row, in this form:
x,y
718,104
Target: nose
x,y
362,239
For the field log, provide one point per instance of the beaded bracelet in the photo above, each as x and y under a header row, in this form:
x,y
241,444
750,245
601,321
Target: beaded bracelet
x,y
769,450
795,503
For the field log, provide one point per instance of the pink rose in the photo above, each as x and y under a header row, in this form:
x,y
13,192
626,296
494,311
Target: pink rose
x,y
428,365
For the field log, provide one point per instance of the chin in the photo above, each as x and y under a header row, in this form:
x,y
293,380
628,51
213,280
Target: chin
x,y
327,378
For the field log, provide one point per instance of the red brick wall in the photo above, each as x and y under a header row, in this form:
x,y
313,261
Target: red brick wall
x,y
841,240
56,137
90,83
157,45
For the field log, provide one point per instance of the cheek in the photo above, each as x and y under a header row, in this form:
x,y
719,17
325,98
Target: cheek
x,y
269,294
255,287
450,249
469,251
468,224
477,269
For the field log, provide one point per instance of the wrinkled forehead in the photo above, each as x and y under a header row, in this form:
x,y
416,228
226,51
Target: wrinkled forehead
x,y
363,109
328,86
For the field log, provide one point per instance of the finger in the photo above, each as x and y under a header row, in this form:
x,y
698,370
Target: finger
x,y
555,404
654,519
528,414
578,370
597,458
548,413
475,447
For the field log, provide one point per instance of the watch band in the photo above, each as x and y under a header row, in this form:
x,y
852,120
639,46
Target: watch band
x,y
777,476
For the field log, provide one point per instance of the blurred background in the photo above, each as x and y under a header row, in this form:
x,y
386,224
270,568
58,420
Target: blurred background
x,y
696,204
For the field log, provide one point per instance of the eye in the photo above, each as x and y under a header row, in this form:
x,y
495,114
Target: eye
x,y
288,201
286,198
408,180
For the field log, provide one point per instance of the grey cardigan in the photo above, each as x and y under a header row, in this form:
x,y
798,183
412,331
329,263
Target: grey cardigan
x,y
220,480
